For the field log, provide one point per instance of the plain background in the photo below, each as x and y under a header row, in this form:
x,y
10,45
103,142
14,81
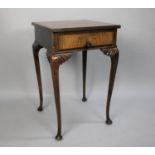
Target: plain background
x,y
132,105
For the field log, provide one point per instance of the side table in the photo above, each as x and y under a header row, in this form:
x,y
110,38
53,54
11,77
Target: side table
x,y
61,39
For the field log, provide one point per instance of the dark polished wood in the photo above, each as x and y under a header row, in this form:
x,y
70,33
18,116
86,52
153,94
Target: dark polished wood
x,y
55,61
114,55
84,68
61,39
75,25
36,48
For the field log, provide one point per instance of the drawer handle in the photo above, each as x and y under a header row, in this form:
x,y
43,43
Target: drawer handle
x,y
88,44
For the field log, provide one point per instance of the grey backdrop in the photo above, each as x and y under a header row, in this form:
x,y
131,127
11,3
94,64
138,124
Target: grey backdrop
x,y
133,101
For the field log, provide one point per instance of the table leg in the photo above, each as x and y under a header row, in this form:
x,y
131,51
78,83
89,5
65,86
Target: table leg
x,y
114,55
84,68
36,49
55,61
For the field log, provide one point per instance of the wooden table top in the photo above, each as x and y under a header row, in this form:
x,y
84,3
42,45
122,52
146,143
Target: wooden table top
x,y
74,25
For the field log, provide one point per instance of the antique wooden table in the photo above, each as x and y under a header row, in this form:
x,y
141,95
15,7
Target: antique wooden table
x,y
61,39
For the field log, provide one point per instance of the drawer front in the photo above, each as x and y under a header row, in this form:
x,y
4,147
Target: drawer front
x,y
79,40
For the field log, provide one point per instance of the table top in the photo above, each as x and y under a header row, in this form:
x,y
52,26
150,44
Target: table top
x,y
74,25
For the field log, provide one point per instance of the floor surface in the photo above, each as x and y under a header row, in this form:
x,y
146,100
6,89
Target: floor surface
x,y
83,123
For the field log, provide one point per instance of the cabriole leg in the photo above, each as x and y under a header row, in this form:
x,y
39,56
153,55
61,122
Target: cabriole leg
x,y
114,56
36,49
55,61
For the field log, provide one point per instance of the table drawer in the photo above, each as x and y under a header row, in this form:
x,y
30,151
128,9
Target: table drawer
x,y
63,41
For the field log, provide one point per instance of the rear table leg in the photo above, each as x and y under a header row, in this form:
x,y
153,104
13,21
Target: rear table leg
x,y
84,68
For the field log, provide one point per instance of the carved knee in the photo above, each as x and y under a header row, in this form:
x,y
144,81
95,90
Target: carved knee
x,y
111,51
58,59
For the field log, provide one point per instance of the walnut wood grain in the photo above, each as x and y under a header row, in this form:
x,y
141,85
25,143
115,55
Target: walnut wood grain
x,y
74,40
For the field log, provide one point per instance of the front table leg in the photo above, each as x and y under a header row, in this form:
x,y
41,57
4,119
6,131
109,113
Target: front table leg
x,y
55,61
114,55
